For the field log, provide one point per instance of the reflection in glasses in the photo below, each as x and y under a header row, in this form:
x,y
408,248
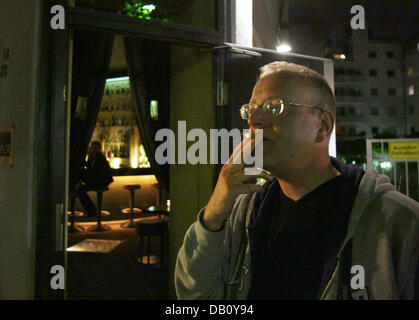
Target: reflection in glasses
x,y
272,107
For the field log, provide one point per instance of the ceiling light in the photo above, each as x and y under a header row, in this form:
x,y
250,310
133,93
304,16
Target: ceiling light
x,y
117,79
283,48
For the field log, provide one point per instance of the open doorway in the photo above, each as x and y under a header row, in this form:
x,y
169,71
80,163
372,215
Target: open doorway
x,y
120,96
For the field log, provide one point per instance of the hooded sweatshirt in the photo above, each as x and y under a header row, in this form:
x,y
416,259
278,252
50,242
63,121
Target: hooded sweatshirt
x,y
293,243
376,258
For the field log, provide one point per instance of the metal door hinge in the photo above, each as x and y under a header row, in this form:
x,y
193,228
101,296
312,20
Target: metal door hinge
x,y
222,93
65,93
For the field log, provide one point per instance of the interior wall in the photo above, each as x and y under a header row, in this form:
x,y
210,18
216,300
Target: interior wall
x,y
191,101
19,32
265,23
118,61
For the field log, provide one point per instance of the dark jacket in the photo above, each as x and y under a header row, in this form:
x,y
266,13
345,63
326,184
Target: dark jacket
x,y
97,172
382,236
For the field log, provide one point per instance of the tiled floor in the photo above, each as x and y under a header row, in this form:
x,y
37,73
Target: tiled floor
x,y
117,274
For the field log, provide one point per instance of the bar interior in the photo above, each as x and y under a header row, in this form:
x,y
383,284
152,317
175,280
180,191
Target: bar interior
x,y
108,106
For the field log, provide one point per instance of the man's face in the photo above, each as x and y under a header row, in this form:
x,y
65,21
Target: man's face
x,y
289,138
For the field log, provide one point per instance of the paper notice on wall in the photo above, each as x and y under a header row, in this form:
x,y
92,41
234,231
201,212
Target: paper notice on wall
x,y
6,146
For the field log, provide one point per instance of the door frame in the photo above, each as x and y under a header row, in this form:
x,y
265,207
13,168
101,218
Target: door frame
x,y
51,151
52,146
83,18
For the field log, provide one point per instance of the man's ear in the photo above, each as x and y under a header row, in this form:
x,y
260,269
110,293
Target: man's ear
x,y
326,121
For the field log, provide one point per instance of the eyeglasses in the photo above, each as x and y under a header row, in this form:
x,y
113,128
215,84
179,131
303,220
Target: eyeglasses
x,y
274,108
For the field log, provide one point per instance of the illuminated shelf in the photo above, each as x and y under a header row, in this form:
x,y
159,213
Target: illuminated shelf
x,y
118,131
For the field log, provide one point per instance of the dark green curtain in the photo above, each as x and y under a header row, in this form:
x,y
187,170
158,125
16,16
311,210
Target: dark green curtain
x,y
91,58
149,71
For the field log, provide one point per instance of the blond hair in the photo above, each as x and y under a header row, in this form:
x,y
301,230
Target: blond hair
x,y
312,78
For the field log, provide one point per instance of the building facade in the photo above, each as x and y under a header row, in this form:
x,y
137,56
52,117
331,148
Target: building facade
x,y
411,68
369,88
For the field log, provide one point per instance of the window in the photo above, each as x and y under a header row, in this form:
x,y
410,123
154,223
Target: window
x,y
411,110
392,111
410,71
341,111
411,90
390,54
391,73
373,54
340,131
351,131
374,91
339,56
373,73
392,92
374,130
412,130
392,130
188,12
351,92
339,91
351,111
375,111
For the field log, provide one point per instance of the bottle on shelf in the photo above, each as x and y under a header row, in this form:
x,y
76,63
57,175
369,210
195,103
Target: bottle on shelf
x,y
117,97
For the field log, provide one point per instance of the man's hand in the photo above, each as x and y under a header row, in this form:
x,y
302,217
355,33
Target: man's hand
x,y
231,182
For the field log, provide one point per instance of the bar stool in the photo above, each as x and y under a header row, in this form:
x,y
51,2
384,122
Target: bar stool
x,y
131,210
99,227
74,228
148,229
